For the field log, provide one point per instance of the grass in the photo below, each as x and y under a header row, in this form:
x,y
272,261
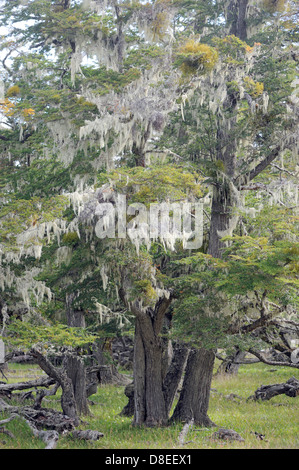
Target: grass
x,y
277,419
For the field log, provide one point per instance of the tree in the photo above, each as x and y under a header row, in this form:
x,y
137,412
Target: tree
x,y
234,129
48,131
79,119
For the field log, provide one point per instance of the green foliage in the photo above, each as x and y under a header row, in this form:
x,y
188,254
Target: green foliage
x,y
232,49
208,290
144,290
47,338
155,183
254,264
274,5
103,81
253,88
219,121
70,238
19,215
140,58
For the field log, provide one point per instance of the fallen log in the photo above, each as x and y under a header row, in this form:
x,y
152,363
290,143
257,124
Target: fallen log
x,y
42,382
49,437
41,419
5,421
44,393
266,392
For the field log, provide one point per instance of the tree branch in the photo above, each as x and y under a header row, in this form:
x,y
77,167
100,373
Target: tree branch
x,y
262,165
260,356
284,170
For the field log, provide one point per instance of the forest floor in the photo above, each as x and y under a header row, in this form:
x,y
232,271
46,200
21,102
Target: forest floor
x,y
276,421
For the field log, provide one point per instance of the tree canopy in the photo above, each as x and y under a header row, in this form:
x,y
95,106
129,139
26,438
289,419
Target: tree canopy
x,y
166,101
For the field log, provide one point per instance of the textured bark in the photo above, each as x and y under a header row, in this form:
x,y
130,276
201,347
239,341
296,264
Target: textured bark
x,y
68,402
88,435
174,374
43,382
194,398
75,317
139,377
167,346
220,218
150,408
266,392
128,410
236,17
74,367
44,393
170,383
76,372
41,419
231,364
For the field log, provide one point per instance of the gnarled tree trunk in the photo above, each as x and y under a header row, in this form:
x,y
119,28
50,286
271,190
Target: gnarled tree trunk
x,y
75,369
68,402
171,380
194,398
150,407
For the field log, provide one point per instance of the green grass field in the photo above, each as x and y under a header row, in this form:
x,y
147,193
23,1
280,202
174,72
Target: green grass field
x,y
277,419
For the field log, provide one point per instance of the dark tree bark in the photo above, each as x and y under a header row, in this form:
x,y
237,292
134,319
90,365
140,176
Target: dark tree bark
x,y
8,389
266,392
194,398
150,406
76,372
75,317
220,218
139,150
128,410
139,377
231,364
170,383
236,17
68,402
174,374
74,367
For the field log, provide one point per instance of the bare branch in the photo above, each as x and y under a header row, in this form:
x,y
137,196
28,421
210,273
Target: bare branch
x,y
274,165
262,165
262,358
